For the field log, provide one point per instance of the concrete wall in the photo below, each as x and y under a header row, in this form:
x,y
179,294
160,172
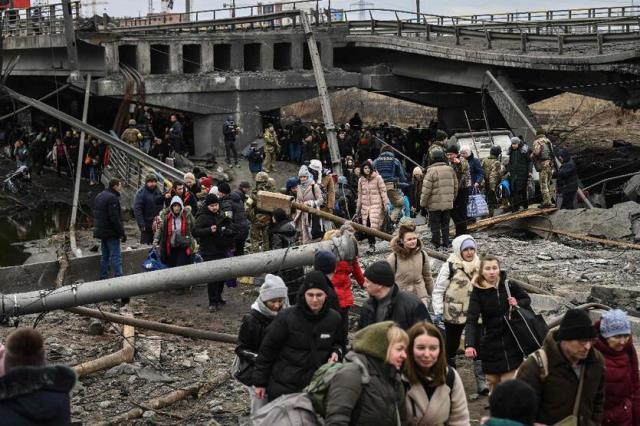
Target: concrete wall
x,y
207,131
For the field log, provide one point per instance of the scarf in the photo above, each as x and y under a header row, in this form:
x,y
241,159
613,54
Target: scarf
x,y
470,268
174,223
259,306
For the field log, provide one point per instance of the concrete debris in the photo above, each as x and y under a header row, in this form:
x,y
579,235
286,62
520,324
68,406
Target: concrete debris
x,y
622,221
95,328
623,297
121,369
201,357
153,375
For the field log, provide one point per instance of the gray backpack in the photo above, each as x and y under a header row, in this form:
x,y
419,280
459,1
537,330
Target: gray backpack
x,y
295,409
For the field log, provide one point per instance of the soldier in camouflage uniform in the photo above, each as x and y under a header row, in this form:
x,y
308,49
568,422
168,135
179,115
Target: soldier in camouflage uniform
x,y
440,144
260,221
132,135
271,149
459,211
542,161
492,177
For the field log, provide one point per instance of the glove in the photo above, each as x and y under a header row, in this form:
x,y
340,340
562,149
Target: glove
x,y
123,239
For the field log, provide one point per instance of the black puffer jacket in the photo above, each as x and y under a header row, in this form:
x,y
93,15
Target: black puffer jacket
x,y
107,215
405,310
234,204
36,396
296,344
146,206
497,349
213,245
252,331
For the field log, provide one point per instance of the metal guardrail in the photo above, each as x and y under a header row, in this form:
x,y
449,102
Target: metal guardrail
x,y
559,14
37,20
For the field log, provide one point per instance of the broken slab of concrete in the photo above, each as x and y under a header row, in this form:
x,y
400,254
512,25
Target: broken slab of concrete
x,y
621,221
623,297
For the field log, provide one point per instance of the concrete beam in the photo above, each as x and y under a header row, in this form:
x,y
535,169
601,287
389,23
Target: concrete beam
x,y
297,53
326,53
111,58
206,57
143,57
266,56
175,58
237,56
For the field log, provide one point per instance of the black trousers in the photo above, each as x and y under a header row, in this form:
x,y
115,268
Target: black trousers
x,y
459,212
230,148
344,326
453,334
239,243
568,200
214,289
439,224
146,236
519,194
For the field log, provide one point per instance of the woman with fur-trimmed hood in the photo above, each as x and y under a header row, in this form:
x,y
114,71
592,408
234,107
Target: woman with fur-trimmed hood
x,y
410,263
174,235
310,194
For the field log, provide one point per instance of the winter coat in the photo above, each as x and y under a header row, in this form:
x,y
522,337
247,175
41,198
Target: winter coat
x,y
372,199
519,165
497,348
568,177
475,170
366,391
229,130
341,281
330,187
389,167
492,173
439,187
297,343
232,206
311,196
146,206
405,310
412,269
621,384
445,407
36,395
557,392
107,215
252,332
132,136
164,233
213,245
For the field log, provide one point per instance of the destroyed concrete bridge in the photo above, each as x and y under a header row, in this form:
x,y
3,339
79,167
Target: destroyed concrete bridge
x,y
210,66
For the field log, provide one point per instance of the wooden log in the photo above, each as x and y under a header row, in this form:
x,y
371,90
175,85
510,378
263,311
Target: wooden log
x,y
508,217
123,355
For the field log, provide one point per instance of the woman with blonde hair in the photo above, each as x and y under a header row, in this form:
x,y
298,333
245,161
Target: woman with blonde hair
x,y
435,393
368,389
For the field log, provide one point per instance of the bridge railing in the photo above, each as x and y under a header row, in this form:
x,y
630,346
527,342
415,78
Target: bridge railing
x,y
559,14
37,20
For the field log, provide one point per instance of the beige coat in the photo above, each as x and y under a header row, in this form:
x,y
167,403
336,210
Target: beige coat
x,y
329,185
312,196
439,187
372,199
413,275
446,407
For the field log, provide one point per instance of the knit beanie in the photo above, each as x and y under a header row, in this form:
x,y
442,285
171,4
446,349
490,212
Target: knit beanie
x,y
614,323
291,183
224,188
314,279
468,243
273,288
304,171
24,347
453,149
372,340
380,273
244,184
575,325
514,400
325,262
211,199
151,177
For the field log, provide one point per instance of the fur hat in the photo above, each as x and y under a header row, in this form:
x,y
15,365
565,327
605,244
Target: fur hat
x,y
24,347
575,325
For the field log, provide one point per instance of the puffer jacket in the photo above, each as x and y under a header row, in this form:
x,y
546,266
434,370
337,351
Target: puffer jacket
x,y
213,245
107,215
621,384
341,281
372,199
412,269
451,293
439,187
297,343
162,236
252,331
366,391
557,391
497,348
146,206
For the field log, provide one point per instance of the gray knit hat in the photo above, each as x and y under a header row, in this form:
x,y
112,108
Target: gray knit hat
x,y
273,288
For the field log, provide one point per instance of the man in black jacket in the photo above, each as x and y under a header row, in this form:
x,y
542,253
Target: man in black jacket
x,y
108,228
232,205
282,235
567,180
146,206
214,232
387,302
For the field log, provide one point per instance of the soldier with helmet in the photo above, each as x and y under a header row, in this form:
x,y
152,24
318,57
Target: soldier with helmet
x,y
492,176
132,135
542,161
260,220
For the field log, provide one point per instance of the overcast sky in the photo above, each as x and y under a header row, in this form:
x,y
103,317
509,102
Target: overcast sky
x,y
454,7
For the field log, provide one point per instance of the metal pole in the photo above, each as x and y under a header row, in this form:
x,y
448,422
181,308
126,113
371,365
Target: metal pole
x,y
76,188
418,11
70,37
345,248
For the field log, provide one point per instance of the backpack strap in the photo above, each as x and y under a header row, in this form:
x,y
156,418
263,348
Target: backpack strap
x,y
451,378
542,360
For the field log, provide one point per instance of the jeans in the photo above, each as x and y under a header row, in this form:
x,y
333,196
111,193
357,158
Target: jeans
x,y
110,256
230,147
295,151
439,224
93,176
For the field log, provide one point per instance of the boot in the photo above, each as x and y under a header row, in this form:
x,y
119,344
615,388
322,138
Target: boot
x,y
372,248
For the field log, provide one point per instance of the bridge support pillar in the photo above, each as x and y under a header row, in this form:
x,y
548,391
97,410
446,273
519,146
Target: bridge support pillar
x,y
237,56
326,53
143,57
266,56
206,55
111,58
297,53
207,132
175,58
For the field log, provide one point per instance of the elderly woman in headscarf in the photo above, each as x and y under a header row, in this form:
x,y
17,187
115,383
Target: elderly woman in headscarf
x,y
310,194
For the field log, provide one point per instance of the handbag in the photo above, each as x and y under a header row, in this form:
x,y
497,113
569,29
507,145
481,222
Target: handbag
x,y
477,206
527,328
387,224
359,236
242,370
572,420
183,241
88,160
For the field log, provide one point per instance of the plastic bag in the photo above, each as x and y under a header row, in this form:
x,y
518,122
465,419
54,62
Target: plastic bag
x,y
477,206
153,262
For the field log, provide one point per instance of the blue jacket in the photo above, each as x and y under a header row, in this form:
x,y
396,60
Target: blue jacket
x,y
475,169
146,206
36,395
568,176
389,167
107,215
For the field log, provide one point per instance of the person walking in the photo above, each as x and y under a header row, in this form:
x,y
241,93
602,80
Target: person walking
x,y
282,235
132,135
392,173
271,301
410,263
271,149
230,132
568,374
214,231
621,381
387,302
435,394
372,201
310,194
476,172
492,168
461,202
174,236
490,300
439,191
512,403
567,180
232,206
298,342
147,204
519,169
367,390
328,187
109,229
542,158
259,220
